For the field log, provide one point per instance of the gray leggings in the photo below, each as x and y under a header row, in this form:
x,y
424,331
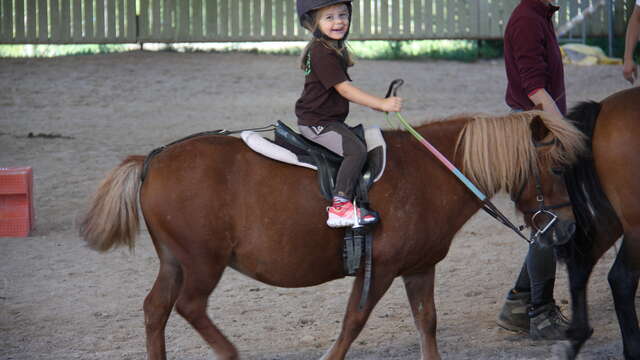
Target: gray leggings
x,y
337,137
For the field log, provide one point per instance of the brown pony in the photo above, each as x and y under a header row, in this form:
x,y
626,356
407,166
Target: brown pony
x,y
605,191
210,202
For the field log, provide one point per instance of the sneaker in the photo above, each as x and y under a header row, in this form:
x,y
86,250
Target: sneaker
x,y
548,323
514,315
340,214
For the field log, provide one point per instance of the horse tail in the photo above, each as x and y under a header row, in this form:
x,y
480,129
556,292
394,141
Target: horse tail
x,y
112,219
593,212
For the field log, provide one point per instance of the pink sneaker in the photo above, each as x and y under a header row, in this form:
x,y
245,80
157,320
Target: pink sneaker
x,y
340,214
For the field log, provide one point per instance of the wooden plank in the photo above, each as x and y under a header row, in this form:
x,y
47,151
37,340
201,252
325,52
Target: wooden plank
x,y
43,24
406,17
6,28
256,18
235,17
19,22
427,16
89,30
366,19
211,8
100,28
417,18
267,24
32,21
131,21
76,20
155,28
182,17
291,19
395,17
245,18
54,15
439,20
278,18
143,20
384,17
170,19
197,20
111,20
65,21
451,12
224,19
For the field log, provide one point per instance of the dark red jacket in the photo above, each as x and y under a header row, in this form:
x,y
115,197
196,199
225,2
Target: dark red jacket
x,y
532,57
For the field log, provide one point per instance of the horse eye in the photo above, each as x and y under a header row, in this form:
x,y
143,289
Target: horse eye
x,y
557,171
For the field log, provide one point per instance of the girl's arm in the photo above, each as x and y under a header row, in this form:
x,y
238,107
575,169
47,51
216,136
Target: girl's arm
x,y
353,94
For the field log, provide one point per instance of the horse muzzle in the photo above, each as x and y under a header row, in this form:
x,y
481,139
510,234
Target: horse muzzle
x,y
559,234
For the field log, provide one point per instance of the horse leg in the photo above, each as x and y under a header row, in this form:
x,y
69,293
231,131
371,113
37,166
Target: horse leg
x,y
160,301
623,280
420,293
201,276
354,318
579,267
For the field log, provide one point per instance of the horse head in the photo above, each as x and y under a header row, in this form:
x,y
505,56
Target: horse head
x,y
525,154
543,198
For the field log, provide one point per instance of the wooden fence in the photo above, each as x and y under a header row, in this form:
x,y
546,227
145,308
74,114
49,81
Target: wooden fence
x,y
131,21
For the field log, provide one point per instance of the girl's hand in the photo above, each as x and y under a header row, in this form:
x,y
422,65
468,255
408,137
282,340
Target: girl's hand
x,y
391,104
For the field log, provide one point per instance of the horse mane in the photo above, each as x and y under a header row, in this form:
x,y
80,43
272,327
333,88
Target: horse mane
x,y
498,152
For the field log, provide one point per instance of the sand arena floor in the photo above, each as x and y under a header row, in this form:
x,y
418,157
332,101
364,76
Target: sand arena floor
x,y
60,300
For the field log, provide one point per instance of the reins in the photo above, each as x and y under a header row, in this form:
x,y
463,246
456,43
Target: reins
x,y
487,205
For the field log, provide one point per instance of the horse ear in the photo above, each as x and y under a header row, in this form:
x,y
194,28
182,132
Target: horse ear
x,y
538,129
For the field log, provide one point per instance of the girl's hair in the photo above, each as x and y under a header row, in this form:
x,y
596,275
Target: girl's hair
x,y
340,46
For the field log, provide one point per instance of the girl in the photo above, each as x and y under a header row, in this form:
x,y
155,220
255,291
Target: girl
x,y
324,103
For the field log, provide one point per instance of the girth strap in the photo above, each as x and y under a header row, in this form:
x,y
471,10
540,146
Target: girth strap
x,y
356,241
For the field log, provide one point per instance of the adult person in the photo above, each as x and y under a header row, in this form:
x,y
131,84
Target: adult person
x,y
630,69
535,77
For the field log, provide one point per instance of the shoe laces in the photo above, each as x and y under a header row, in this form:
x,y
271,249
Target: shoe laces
x,y
557,316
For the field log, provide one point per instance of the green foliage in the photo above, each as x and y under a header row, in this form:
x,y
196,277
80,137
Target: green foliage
x,y
459,50
16,51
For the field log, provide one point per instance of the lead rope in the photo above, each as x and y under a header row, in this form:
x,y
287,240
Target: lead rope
x,y
487,205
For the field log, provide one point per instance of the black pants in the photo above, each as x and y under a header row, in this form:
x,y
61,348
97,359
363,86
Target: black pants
x,y
538,274
339,138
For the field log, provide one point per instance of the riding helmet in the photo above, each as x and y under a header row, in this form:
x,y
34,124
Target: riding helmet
x,y
305,7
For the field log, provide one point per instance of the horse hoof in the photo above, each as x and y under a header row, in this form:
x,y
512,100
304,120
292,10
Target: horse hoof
x,y
563,350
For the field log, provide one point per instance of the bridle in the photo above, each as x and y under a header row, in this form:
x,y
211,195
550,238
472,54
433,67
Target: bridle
x,y
542,209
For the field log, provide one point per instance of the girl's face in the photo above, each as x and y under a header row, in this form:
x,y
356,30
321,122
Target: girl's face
x,y
333,21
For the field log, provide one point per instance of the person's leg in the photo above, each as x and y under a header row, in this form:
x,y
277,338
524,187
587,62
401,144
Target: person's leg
x,y
514,314
546,320
338,138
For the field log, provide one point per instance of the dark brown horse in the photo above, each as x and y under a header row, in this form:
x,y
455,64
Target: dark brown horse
x,y
605,191
209,202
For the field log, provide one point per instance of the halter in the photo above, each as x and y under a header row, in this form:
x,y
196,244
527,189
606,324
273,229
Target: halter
x,y
542,209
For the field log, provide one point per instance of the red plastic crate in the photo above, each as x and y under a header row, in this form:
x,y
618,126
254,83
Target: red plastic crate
x,y
16,202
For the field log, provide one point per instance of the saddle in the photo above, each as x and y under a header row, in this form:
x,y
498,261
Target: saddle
x,y
290,147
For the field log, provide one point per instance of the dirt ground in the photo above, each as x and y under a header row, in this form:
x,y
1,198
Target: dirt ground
x,y
60,300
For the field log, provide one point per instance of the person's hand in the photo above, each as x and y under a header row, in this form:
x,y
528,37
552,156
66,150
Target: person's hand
x,y
630,71
391,104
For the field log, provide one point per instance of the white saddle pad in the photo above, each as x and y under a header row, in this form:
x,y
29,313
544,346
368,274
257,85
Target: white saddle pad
x,y
257,143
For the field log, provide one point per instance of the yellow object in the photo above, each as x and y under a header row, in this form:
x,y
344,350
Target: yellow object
x,y
579,54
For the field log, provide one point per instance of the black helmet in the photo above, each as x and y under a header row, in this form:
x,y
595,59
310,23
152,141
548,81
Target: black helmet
x,y
306,6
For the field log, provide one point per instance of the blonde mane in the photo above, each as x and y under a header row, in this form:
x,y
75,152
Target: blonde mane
x,y
498,152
